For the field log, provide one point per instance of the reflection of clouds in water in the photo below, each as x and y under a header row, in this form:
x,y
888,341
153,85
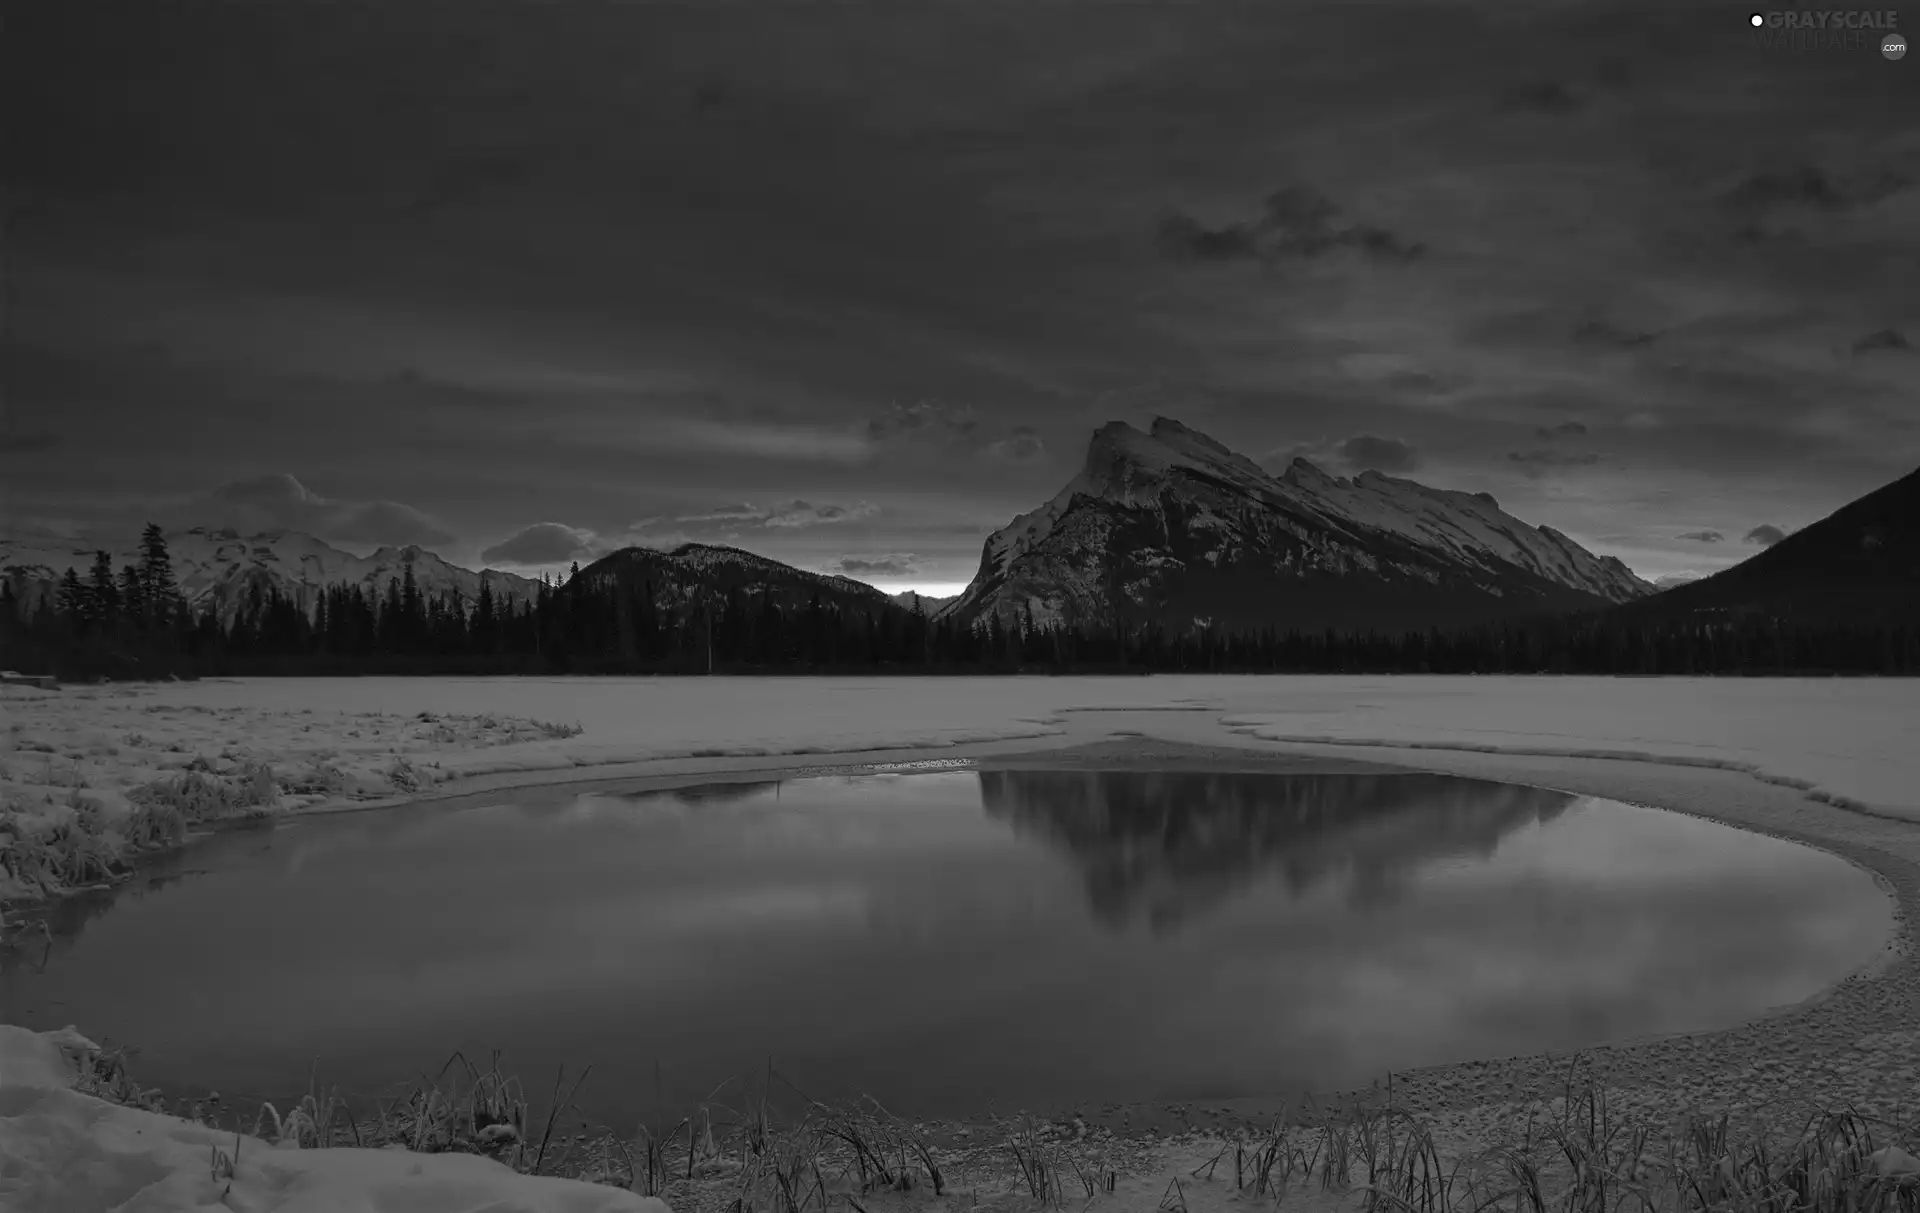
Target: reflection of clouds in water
x,y
792,906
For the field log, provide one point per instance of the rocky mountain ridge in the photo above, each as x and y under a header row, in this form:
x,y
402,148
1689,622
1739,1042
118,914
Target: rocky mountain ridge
x,y
219,568
1172,527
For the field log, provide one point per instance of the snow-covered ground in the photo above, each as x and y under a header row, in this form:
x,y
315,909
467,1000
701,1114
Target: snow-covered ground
x,y
62,1151
1853,740
1791,757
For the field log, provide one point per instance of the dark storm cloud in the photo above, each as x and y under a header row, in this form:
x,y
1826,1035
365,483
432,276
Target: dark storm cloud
x,y
1766,535
1891,340
1019,447
23,444
661,255
544,543
1784,205
1702,536
1542,96
745,516
1298,222
1814,188
1599,333
1380,454
1566,429
926,420
892,564
1537,464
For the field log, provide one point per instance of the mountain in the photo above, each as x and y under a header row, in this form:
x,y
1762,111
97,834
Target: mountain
x,y
1171,527
1164,847
1859,564
907,599
680,577
219,567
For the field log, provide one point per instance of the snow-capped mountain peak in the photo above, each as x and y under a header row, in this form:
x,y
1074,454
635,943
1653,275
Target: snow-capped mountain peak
x,y
1160,513
219,567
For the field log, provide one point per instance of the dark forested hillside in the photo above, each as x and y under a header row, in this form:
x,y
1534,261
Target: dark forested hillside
x,y
638,614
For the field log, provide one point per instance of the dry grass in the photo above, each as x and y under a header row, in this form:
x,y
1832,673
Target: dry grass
x,y
749,1158
200,794
46,852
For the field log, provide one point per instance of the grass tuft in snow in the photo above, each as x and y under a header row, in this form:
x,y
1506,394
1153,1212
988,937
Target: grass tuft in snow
x,y
200,794
1575,1156
43,851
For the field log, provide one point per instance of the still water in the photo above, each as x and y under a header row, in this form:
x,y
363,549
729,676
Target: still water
x,y
947,942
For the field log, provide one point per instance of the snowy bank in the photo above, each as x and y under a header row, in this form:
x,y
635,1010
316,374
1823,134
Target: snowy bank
x,y
62,1151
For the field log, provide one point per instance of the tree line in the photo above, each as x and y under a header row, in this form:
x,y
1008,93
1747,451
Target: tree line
x,y
134,623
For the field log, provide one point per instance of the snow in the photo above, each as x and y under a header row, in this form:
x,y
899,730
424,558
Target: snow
x,y
1851,739
1127,467
1848,744
62,1151
216,565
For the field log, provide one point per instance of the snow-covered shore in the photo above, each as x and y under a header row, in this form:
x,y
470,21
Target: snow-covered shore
x,y
1783,756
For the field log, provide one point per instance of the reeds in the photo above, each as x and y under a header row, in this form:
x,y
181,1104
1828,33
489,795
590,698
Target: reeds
x,y
1575,1156
200,794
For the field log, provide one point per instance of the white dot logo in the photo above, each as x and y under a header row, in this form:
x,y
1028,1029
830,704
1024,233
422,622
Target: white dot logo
x,y
1893,46
1756,20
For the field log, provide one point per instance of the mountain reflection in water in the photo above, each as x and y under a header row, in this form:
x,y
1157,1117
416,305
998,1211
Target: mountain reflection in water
x,y
1164,846
1023,936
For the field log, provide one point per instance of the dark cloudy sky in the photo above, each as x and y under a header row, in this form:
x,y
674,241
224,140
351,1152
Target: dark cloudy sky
x,y
851,283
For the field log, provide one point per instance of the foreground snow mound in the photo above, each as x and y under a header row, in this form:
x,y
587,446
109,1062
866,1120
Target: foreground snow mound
x,y
65,1152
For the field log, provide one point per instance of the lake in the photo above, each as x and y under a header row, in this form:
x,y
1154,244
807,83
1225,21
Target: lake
x,y
948,942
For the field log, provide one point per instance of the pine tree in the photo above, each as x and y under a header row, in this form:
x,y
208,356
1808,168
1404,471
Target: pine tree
x,y
413,615
133,606
103,596
483,621
73,602
158,590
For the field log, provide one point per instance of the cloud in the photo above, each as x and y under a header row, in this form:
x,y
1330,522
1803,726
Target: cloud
x,y
1543,96
24,444
746,516
1600,333
1021,446
925,420
279,502
1566,429
890,564
543,543
1766,535
1891,340
1769,204
1672,579
930,427
1536,464
1379,454
1703,536
762,440
1299,223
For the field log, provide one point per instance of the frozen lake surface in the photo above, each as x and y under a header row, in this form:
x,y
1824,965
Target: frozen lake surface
x,y
947,941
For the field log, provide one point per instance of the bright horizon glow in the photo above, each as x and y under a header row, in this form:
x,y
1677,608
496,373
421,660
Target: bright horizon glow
x,y
926,589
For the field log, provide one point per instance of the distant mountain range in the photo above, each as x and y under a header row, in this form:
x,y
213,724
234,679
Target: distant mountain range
x,y
219,568
679,578
1170,527
1859,564
908,599
1166,527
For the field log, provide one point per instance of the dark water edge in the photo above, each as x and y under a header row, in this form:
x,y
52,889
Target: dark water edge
x,y
948,941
